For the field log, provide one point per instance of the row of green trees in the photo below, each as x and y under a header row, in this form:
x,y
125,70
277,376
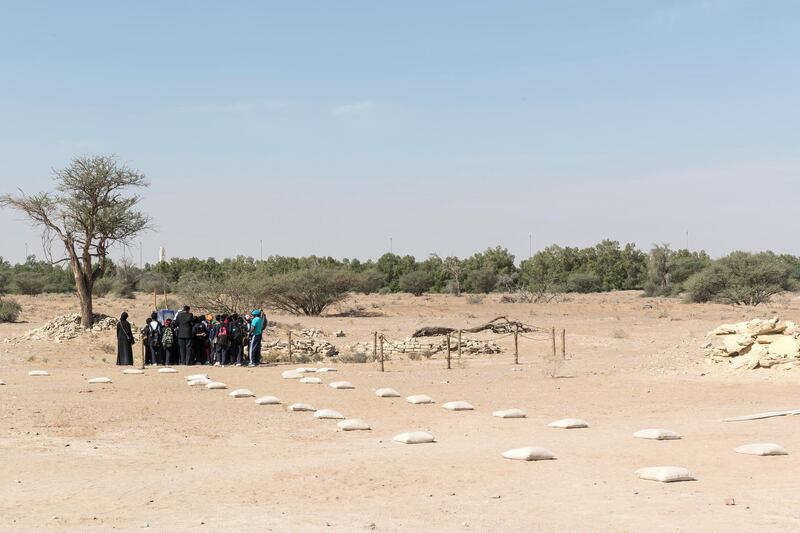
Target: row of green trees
x,y
740,278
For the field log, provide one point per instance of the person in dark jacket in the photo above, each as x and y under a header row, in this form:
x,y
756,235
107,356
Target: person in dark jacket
x,y
125,341
200,341
184,321
168,342
154,341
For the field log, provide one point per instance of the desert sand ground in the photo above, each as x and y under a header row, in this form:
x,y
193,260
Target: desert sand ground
x,y
148,452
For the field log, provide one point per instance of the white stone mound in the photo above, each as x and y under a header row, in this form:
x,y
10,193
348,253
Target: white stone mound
x,y
133,371
665,474
167,370
326,369
196,376
458,406
387,393
353,424
196,382
342,385
328,414
656,434
314,381
758,343
216,385
305,369
241,393
569,423
765,448
530,453
414,437
298,407
94,381
2,382
419,399
268,400
38,373
510,413
291,374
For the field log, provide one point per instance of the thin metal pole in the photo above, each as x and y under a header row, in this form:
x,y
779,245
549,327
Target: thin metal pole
x,y
459,344
516,345
563,344
374,345
290,346
382,367
448,351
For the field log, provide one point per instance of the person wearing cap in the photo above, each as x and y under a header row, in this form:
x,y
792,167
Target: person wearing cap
x,y
256,332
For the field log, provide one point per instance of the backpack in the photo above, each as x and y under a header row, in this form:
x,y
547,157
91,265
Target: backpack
x,y
223,331
168,338
154,336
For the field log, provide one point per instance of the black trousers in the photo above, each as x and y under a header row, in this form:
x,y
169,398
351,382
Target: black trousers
x,y
169,358
185,349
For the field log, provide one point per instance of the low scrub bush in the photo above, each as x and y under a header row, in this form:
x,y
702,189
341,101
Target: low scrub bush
x,y
474,299
584,282
416,282
308,292
9,310
102,287
29,283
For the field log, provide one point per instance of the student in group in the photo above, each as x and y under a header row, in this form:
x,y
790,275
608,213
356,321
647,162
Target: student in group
x,y
221,341
256,332
154,340
237,336
145,333
184,321
168,342
200,336
125,341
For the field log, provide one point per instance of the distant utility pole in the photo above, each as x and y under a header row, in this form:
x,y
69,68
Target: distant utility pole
x,y
261,246
141,263
391,246
687,239
530,245
26,251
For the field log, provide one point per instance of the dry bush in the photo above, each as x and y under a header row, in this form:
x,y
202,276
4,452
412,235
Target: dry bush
x,y
308,292
619,333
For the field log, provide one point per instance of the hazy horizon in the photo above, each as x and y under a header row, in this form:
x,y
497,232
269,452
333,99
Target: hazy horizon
x,y
448,127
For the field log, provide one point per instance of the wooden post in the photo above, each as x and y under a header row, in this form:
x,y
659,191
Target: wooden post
x,y
155,300
448,351
516,345
290,346
143,358
382,368
166,304
553,333
375,345
459,344
563,344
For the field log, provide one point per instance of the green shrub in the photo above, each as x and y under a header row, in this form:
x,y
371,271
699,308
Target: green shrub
x,y
102,287
474,299
124,288
369,281
153,281
385,290
29,283
9,310
584,282
740,278
417,282
481,281
308,292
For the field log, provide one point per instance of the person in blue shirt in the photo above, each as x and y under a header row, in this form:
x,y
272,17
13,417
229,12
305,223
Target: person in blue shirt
x,y
256,332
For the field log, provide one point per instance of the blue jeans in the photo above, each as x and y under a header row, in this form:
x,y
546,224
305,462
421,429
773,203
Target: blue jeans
x,y
255,349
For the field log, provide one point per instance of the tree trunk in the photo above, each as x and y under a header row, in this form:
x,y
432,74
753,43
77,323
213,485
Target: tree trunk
x,y
85,296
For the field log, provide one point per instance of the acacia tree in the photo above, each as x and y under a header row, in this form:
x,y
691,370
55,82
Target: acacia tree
x,y
88,213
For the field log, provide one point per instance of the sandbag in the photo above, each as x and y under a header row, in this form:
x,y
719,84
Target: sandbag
x,y
353,424
510,413
414,437
342,385
167,370
94,381
196,376
36,373
665,474
458,406
305,369
133,371
2,382
766,448
387,393
297,407
419,399
656,434
529,453
568,423
326,369
196,382
268,400
313,381
291,374
216,385
241,393
328,414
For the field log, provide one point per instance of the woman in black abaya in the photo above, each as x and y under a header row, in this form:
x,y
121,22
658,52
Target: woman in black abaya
x,y
124,341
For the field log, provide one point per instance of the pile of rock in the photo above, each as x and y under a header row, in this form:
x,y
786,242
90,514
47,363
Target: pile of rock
x,y
312,333
757,343
304,346
68,327
430,346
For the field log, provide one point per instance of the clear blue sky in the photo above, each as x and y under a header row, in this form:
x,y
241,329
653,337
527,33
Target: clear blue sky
x,y
329,127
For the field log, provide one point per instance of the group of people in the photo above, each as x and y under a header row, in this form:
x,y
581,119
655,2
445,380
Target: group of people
x,y
187,339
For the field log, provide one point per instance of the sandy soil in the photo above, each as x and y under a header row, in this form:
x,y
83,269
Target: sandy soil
x,y
149,452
